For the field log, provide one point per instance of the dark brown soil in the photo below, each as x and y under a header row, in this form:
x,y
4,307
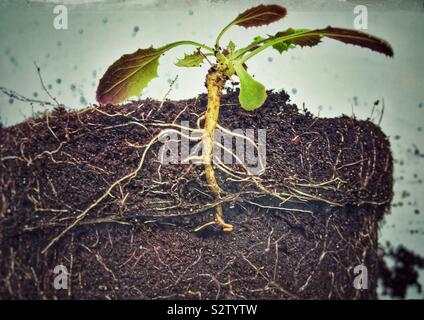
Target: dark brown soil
x,y
403,274
137,240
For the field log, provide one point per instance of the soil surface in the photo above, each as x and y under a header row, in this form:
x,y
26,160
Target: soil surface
x,y
86,190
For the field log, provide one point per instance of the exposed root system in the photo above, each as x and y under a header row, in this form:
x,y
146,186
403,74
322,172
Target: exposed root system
x,y
86,189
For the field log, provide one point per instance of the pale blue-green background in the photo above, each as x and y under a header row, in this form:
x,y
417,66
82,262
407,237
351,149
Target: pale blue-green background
x,y
331,79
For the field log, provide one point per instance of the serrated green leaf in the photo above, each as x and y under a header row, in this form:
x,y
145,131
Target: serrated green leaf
x,y
252,93
231,47
258,39
254,44
130,74
191,60
289,44
306,41
281,47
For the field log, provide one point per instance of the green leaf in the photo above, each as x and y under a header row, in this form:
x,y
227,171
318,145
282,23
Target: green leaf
x,y
130,74
191,60
252,46
252,93
307,40
258,39
291,43
282,46
231,47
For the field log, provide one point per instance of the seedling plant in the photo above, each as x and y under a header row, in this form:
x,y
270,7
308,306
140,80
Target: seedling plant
x,y
128,76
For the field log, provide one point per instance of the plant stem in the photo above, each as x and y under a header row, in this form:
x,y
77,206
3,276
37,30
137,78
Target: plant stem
x,y
272,42
187,42
221,33
215,81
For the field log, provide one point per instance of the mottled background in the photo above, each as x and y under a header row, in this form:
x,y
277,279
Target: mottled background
x,y
330,80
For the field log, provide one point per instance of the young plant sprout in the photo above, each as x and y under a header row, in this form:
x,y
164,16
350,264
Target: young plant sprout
x,y
129,75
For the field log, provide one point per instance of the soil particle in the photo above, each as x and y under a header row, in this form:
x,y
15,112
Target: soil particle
x,y
403,274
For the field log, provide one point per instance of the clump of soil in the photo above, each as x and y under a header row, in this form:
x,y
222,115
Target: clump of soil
x,y
85,189
403,274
